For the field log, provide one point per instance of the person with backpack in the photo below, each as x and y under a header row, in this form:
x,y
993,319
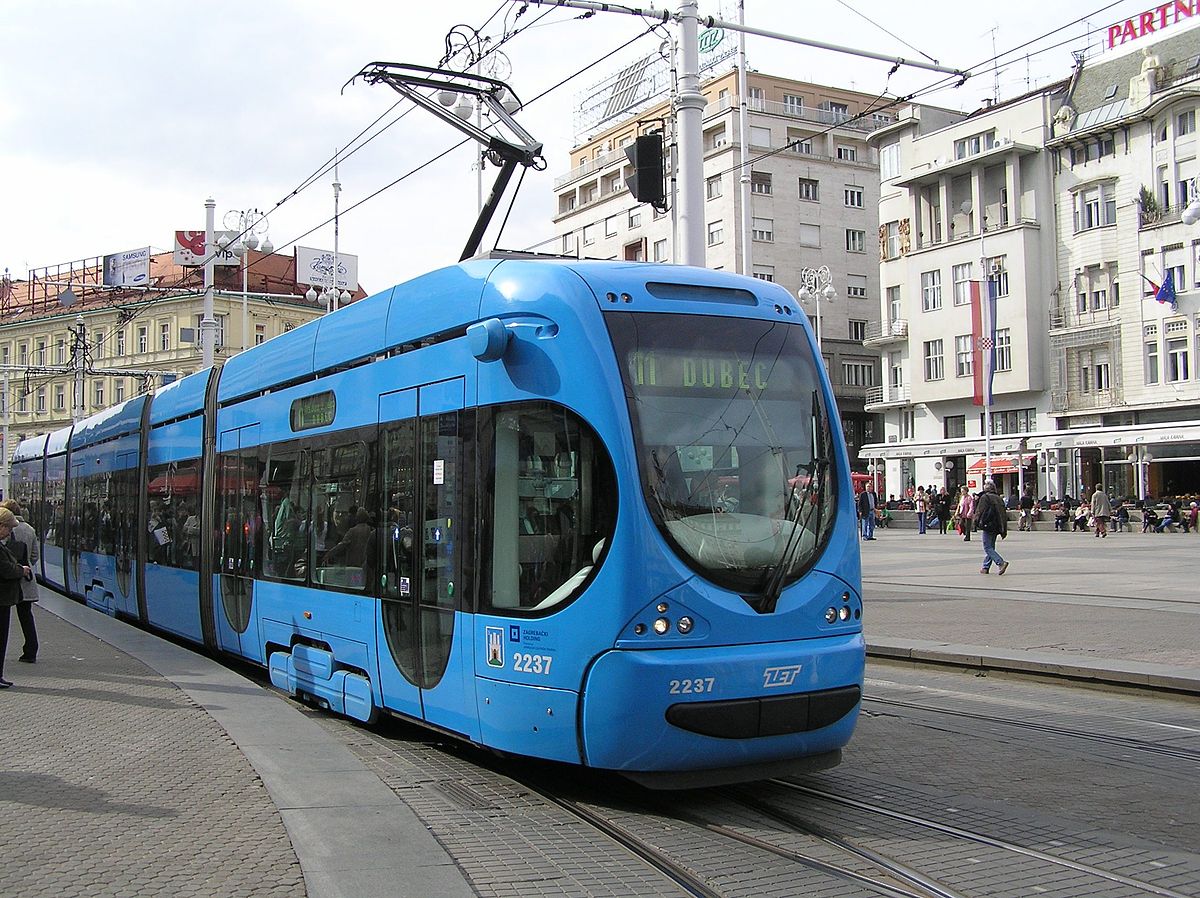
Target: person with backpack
x,y
991,520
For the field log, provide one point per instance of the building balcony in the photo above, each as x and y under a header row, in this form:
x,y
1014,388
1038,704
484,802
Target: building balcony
x,y
1077,401
881,333
1066,319
879,398
590,167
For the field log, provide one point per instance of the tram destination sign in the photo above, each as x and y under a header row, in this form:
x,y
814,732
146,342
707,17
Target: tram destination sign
x,y
314,411
711,371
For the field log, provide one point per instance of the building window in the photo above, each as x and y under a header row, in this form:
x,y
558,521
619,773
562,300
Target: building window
x,y
854,197
1185,123
635,218
40,402
856,241
1022,420
715,138
961,276
1152,363
998,269
856,286
121,342
760,137
891,240
934,365
98,345
1177,360
954,426
810,190
858,374
260,334
22,354
60,397
164,336
847,154
858,330
763,229
809,235
895,308
119,392
589,234
23,401
889,162
566,203
60,352
143,339
610,226
908,423
976,143
568,247
712,187
765,272
803,145
1096,206
219,332
931,290
660,250
964,365
98,394
896,369
760,183
636,251
793,104
758,99
1004,349
39,358
715,233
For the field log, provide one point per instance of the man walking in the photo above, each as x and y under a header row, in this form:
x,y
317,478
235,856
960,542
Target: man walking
x,y
866,512
991,520
24,534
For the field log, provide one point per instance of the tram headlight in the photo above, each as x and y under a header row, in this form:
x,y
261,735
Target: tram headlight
x,y
661,626
844,613
684,625
831,615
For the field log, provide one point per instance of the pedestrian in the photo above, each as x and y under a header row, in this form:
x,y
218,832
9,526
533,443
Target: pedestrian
x,y
1101,511
1193,516
991,519
966,513
24,534
866,512
11,574
921,506
1026,522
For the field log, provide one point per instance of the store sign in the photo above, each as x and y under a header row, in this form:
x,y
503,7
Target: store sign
x,y
1152,21
315,267
127,269
189,249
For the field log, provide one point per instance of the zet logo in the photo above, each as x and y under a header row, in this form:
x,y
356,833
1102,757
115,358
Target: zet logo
x,y
780,676
710,39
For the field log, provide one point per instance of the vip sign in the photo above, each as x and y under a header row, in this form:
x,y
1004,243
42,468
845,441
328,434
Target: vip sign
x,y
1151,21
189,249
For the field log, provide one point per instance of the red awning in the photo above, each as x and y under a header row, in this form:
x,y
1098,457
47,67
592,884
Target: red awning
x,y
1001,464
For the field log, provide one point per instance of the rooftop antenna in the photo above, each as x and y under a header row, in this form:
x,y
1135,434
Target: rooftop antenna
x,y
995,67
422,85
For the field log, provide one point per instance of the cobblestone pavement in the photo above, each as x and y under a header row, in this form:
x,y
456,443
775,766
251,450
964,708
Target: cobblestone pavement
x,y
113,783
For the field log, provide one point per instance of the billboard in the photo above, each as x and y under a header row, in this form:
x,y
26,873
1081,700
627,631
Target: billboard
x,y
127,269
315,267
189,249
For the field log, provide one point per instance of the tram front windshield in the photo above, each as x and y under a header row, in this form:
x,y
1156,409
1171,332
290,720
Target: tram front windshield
x,y
733,444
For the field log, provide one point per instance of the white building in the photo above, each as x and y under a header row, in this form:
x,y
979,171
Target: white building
x,y
813,189
1081,185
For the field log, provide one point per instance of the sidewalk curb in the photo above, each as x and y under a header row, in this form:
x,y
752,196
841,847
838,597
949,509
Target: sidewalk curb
x,y
985,657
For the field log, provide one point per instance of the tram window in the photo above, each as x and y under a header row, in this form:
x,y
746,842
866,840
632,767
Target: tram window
x,y
553,508
285,499
342,542
173,514
54,518
239,543
398,468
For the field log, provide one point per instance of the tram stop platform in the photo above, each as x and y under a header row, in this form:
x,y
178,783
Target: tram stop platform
x,y
132,766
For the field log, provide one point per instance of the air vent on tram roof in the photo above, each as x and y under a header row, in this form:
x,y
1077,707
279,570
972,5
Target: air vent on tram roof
x,y
702,293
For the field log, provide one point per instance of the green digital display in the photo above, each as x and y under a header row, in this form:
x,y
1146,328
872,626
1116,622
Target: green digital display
x,y
702,372
314,411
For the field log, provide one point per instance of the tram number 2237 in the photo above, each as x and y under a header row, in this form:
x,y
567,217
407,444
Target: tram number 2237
x,y
692,687
523,662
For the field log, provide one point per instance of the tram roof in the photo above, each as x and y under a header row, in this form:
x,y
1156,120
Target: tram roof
x,y
180,398
30,447
115,421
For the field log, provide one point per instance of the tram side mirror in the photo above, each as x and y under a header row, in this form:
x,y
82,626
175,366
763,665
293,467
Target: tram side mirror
x,y
488,339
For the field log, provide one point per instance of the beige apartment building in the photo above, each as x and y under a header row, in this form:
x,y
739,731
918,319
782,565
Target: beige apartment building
x,y
813,194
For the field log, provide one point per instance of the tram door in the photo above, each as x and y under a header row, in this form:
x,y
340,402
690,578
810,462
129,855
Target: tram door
x,y
422,564
239,535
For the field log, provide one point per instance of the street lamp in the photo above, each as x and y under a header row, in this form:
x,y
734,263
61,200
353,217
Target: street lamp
x,y
815,284
252,227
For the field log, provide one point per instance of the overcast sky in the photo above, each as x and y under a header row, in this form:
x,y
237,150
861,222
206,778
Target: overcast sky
x,y
120,118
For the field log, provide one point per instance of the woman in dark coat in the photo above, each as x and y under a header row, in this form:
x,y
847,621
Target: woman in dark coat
x,y
12,572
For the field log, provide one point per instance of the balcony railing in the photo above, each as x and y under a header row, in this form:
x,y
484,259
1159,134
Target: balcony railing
x,y
1074,400
592,165
881,332
887,395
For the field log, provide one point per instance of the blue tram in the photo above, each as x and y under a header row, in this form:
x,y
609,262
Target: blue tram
x,y
591,512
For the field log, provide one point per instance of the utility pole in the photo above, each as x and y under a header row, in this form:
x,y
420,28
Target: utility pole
x,y
689,104
208,324
79,363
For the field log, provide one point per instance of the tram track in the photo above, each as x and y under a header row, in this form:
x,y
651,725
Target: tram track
x,y
959,833
1182,754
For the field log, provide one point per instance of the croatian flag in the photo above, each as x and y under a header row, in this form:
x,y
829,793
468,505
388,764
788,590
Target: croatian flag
x,y
983,340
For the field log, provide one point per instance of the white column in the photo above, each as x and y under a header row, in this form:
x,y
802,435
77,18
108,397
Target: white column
x,y
208,325
689,114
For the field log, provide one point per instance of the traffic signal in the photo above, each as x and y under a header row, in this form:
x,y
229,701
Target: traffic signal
x,y
647,183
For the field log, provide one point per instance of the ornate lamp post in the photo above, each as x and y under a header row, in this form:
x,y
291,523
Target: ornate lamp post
x,y
252,227
815,284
